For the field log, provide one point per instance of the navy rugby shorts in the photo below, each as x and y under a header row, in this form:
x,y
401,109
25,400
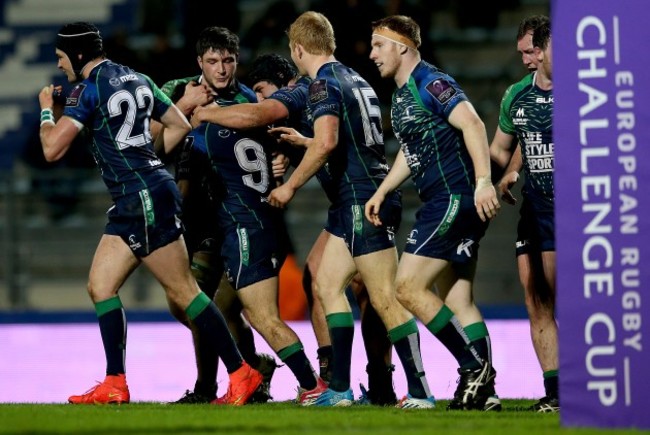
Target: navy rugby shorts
x,y
251,255
348,221
536,228
148,219
448,228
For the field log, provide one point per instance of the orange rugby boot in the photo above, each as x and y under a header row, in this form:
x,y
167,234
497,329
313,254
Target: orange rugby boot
x,y
112,390
243,383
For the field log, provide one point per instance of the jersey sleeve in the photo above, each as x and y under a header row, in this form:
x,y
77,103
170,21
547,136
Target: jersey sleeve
x,y
440,94
325,98
170,87
293,97
161,101
80,104
505,120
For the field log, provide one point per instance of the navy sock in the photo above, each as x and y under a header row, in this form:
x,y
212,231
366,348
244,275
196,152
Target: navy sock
x,y
294,357
212,332
341,326
551,380
447,329
325,362
207,360
112,326
406,339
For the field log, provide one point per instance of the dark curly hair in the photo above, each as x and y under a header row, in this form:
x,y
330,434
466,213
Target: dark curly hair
x,y
217,39
272,68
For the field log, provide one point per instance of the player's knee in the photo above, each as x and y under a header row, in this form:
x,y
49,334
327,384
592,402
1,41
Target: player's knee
x,y
403,293
231,315
358,287
260,318
460,304
206,278
99,292
178,313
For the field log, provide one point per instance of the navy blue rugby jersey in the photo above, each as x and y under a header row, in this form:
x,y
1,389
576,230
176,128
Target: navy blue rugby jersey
x,y
192,161
295,97
116,104
358,164
241,161
238,93
434,150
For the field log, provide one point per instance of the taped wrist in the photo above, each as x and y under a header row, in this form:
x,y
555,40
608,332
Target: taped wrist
x,y
47,116
485,181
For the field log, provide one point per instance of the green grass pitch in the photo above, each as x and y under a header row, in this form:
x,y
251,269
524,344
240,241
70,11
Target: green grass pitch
x,y
282,418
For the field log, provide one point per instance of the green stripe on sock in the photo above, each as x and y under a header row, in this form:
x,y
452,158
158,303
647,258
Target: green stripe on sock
x,y
403,331
198,304
442,318
550,374
111,304
340,320
476,331
286,352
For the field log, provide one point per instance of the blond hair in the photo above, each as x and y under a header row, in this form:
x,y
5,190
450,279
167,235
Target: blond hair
x,y
314,32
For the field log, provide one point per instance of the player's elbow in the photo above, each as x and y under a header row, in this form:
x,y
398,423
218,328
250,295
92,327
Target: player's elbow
x,y
477,124
51,156
499,156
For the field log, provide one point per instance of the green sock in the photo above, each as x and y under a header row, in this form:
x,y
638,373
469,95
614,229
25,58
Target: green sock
x,y
479,337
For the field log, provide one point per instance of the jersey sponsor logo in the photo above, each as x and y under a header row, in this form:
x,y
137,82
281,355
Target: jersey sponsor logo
x,y
128,78
520,117
357,216
318,91
133,243
75,95
539,155
408,115
244,246
412,239
114,81
465,247
147,207
441,90
522,243
355,79
449,218
390,232
542,100
223,133
412,159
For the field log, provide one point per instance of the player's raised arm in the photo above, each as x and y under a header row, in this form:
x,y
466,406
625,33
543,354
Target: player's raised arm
x,y
56,137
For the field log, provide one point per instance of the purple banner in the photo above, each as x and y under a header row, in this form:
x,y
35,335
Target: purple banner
x,y
602,180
